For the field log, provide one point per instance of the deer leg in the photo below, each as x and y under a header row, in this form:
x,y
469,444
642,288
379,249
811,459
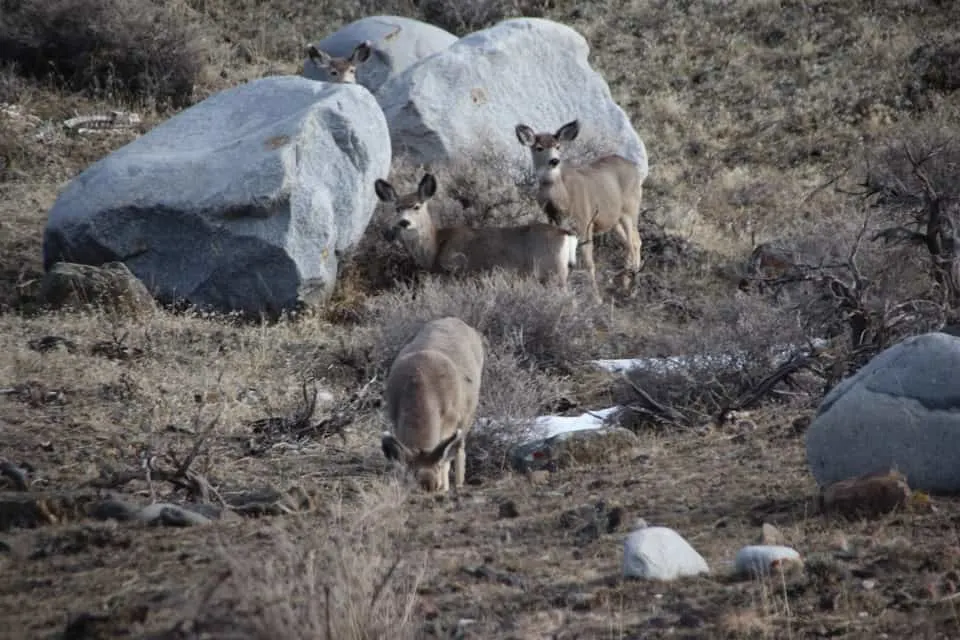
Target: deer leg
x,y
460,464
586,251
622,229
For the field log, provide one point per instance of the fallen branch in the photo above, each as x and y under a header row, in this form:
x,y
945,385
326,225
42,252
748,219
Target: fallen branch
x,y
653,408
797,362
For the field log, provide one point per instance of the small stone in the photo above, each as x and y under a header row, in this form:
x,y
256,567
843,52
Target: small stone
x,y
170,515
660,553
868,495
508,509
761,560
540,476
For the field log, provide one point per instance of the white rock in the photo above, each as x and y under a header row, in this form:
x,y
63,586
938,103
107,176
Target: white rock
x,y
469,98
241,202
900,411
762,559
660,553
397,43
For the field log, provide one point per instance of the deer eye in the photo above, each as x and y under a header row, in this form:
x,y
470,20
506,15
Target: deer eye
x,y
539,147
416,207
334,72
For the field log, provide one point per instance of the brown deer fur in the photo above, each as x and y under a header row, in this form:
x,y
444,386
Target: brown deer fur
x,y
431,398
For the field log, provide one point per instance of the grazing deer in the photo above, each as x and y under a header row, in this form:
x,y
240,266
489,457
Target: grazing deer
x,y
545,251
431,398
600,196
343,70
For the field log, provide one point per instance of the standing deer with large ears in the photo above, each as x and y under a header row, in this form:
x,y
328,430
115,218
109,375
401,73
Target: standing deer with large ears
x,y
597,197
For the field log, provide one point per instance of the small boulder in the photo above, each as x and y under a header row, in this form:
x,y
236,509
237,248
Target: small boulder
x,y
396,43
465,102
763,560
111,287
660,553
170,515
571,448
866,496
242,202
901,410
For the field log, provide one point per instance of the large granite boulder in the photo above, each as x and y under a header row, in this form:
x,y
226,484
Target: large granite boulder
x,y
466,101
242,202
900,411
396,44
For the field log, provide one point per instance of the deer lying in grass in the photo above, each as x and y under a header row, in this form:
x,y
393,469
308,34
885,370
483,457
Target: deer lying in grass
x,y
343,70
431,398
597,197
545,251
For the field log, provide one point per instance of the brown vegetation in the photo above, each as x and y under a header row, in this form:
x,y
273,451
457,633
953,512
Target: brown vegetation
x,y
826,130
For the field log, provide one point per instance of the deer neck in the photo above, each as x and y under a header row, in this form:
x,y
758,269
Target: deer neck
x,y
552,194
425,246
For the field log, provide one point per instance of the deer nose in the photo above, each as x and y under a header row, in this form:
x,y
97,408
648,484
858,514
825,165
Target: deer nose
x,y
554,162
403,224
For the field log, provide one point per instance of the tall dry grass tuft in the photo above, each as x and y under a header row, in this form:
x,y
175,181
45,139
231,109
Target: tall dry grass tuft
x,y
348,577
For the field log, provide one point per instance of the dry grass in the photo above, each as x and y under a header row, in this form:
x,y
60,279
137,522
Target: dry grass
x,y
349,575
759,117
109,48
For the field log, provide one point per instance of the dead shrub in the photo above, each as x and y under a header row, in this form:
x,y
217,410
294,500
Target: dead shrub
x,y
134,48
512,396
540,325
712,362
349,577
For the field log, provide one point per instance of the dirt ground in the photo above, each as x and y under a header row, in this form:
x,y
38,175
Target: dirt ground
x,y
759,116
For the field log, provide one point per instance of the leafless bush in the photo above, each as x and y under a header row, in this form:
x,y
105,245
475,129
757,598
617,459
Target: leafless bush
x,y
513,394
540,325
715,361
134,48
349,577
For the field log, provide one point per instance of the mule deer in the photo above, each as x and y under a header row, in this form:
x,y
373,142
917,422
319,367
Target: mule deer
x,y
431,398
599,196
342,70
545,251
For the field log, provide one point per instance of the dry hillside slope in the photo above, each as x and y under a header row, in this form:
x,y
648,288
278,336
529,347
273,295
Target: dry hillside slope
x,y
785,122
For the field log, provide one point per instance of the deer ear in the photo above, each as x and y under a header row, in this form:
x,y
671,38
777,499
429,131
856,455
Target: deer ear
x,y
361,52
568,131
385,191
445,450
525,135
392,448
320,57
427,187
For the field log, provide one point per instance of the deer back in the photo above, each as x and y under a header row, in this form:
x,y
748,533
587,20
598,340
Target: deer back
x,y
434,383
602,191
524,248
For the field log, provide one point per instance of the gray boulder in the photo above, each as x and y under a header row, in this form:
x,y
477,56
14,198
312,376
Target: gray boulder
x,y
900,411
397,43
242,202
467,100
